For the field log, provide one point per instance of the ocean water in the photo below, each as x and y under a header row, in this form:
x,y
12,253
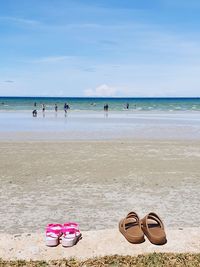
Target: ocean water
x,y
147,118
96,104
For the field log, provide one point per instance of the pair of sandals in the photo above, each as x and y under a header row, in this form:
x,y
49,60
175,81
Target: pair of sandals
x,y
67,234
134,229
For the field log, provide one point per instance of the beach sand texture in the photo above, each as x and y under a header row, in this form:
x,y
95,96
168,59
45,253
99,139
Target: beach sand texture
x,y
97,183
95,244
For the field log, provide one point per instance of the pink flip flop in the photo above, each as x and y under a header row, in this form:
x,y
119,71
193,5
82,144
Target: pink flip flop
x,y
72,225
53,233
71,234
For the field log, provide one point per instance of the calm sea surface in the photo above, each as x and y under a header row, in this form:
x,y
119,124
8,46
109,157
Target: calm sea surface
x,y
96,104
146,118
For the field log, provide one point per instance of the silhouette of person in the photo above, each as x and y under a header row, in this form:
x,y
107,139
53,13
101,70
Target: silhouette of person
x,y
34,113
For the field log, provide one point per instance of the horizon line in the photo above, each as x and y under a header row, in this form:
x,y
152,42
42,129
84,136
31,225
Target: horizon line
x,y
109,97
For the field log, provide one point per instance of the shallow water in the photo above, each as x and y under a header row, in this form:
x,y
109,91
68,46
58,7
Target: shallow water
x,y
99,125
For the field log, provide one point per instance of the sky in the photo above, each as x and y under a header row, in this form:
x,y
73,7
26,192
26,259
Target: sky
x,y
101,48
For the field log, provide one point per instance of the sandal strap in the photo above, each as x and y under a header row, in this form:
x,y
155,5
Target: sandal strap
x,y
52,234
68,230
57,232
131,218
153,216
54,228
71,224
133,215
54,225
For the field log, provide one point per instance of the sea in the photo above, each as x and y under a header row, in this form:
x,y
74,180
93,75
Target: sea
x,y
97,104
145,118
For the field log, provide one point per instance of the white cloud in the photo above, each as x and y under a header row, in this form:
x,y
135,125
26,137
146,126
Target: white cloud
x,y
52,59
18,20
101,91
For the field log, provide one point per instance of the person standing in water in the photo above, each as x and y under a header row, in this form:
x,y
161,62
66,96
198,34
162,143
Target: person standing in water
x,y
43,109
105,110
127,105
56,108
105,107
65,108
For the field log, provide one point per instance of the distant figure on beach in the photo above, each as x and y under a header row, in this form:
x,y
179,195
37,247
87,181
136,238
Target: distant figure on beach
x,y
127,105
56,108
35,104
43,110
43,107
34,113
105,110
66,107
106,107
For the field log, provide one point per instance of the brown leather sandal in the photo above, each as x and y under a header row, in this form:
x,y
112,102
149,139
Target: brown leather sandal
x,y
130,227
153,228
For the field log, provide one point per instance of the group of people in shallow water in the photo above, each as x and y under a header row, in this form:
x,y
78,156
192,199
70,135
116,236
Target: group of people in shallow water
x,y
66,107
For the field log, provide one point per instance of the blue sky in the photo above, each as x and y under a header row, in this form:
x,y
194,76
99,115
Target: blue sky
x,y
100,48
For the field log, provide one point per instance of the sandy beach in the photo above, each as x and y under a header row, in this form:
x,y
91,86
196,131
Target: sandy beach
x,y
43,182
96,183
99,117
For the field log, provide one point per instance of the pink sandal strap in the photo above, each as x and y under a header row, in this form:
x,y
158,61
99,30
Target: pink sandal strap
x,y
71,225
69,230
55,229
53,225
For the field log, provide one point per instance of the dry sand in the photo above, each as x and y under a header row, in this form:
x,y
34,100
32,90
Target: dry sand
x,y
95,184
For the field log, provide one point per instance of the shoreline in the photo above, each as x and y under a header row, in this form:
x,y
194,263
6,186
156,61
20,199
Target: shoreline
x,y
31,246
63,137
100,126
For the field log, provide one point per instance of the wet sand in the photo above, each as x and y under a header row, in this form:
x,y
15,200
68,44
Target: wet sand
x,y
86,126
97,182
